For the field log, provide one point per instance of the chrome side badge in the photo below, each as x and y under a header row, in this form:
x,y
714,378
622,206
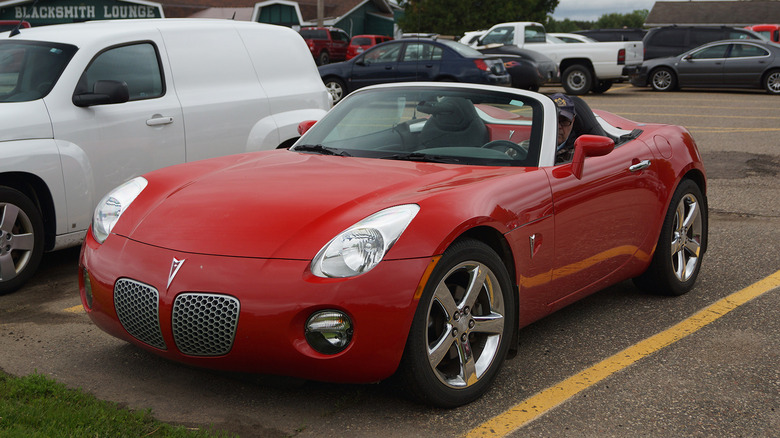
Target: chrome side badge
x,y
175,265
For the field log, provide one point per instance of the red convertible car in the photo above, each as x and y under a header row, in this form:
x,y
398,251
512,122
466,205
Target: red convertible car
x,y
415,229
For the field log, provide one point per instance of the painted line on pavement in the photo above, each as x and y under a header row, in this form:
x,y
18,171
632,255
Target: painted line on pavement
x,y
541,403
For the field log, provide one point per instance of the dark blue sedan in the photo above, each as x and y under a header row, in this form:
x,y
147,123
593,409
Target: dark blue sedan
x,y
415,59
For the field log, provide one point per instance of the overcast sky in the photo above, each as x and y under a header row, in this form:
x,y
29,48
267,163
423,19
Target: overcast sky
x,y
591,10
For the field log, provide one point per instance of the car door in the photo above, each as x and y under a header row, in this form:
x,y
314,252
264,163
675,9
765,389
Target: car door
x,y
746,64
602,219
421,61
116,142
339,43
703,66
377,65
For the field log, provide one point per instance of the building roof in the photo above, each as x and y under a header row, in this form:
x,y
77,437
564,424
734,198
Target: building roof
x,y
700,13
223,8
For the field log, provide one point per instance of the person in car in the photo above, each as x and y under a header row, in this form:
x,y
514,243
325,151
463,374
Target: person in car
x,y
566,116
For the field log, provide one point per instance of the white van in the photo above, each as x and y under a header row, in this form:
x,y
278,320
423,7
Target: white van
x,y
87,106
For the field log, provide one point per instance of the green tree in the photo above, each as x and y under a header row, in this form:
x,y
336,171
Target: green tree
x,y
617,21
454,17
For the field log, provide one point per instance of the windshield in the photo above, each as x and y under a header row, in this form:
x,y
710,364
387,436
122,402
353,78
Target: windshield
x,y
446,125
29,70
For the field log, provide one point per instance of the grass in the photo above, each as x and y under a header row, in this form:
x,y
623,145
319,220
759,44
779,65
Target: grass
x,y
36,406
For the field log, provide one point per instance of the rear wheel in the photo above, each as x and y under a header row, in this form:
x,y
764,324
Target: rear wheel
x,y
772,82
324,58
462,328
21,239
601,86
577,80
663,79
678,254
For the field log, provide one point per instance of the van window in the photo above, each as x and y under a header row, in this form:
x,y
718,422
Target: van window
x,y
669,38
29,70
136,64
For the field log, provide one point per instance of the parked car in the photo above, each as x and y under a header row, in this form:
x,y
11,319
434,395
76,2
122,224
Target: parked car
x,y
770,32
327,44
622,34
572,38
413,231
729,63
665,41
86,106
529,70
413,59
359,43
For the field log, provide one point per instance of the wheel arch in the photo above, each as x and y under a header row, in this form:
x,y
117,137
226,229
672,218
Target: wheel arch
x,y
36,189
585,62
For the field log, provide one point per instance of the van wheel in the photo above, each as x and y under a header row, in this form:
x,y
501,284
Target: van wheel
x,y
577,80
336,88
21,239
663,79
462,328
772,82
324,58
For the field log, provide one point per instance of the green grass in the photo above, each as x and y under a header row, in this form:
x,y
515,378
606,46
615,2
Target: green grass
x,y
36,406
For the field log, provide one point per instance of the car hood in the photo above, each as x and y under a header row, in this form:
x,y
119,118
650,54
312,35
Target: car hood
x,y
284,204
24,121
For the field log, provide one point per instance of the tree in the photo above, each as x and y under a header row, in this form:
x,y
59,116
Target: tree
x,y
454,17
617,21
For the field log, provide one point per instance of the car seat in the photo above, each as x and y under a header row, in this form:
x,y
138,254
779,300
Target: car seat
x,y
454,122
585,121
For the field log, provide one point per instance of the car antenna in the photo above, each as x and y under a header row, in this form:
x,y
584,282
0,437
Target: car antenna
x,y
19,24
234,16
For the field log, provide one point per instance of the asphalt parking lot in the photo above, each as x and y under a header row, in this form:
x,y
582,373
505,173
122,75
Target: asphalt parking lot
x,y
722,379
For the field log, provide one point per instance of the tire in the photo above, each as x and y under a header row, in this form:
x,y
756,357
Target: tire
x,y
772,82
458,341
21,239
663,79
324,58
577,80
336,88
681,246
601,86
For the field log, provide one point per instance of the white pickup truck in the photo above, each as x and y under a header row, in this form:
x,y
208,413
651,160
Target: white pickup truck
x,y
583,67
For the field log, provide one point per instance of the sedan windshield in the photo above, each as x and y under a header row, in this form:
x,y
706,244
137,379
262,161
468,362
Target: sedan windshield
x,y
29,70
443,125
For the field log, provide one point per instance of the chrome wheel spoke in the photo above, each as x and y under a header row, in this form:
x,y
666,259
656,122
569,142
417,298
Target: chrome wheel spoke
x,y
23,242
493,324
478,276
441,347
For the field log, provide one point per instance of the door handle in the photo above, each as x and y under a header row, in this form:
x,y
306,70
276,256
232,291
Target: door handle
x,y
640,166
158,120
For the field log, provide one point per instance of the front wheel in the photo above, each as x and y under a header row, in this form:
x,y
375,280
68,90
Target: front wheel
x,y
772,82
678,254
663,79
577,80
462,328
336,88
21,239
601,86
324,58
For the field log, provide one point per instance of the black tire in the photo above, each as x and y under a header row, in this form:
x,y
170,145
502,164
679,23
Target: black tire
x,y
21,239
772,82
601,86
577,80
324,58
681,245
472,332
663,79
336,88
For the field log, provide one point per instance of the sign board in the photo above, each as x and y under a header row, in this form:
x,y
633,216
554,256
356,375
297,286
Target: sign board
x,y
46,12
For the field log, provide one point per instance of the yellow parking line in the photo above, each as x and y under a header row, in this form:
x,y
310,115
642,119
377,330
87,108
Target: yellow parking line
x,y
700,115
75,309
539,404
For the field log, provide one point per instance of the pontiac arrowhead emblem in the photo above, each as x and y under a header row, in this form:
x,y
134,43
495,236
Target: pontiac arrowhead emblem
x,y
175,265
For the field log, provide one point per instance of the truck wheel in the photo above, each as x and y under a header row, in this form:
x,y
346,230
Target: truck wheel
x,y
601,86
577,80
21,239
663,79
324,58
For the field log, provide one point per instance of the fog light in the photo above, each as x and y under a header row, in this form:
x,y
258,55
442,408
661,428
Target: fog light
x,y
87,289
329,331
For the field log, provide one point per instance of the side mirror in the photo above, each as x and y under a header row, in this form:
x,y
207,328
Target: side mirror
x,y
104,92
687,58
305,126
589,146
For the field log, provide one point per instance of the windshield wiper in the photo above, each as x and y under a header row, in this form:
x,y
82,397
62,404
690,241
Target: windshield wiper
x,y
320,149
428,158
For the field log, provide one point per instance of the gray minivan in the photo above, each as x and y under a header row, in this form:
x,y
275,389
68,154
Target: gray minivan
x,y
674,40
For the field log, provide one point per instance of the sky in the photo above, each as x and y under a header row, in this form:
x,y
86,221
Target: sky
x,y
591,10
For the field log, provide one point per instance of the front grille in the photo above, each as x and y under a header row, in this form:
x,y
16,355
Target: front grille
x,y
205,324
137,307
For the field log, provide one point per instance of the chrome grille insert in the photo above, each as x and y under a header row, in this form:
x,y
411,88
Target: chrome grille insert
x,y
137,306
205,324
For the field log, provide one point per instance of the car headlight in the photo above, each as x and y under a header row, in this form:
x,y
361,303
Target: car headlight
x,y
113,205
361,247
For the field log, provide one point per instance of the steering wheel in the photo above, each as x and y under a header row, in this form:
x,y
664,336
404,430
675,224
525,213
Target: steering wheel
x,y
510,148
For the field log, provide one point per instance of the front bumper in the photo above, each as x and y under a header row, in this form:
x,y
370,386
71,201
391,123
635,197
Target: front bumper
x,y
273,298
